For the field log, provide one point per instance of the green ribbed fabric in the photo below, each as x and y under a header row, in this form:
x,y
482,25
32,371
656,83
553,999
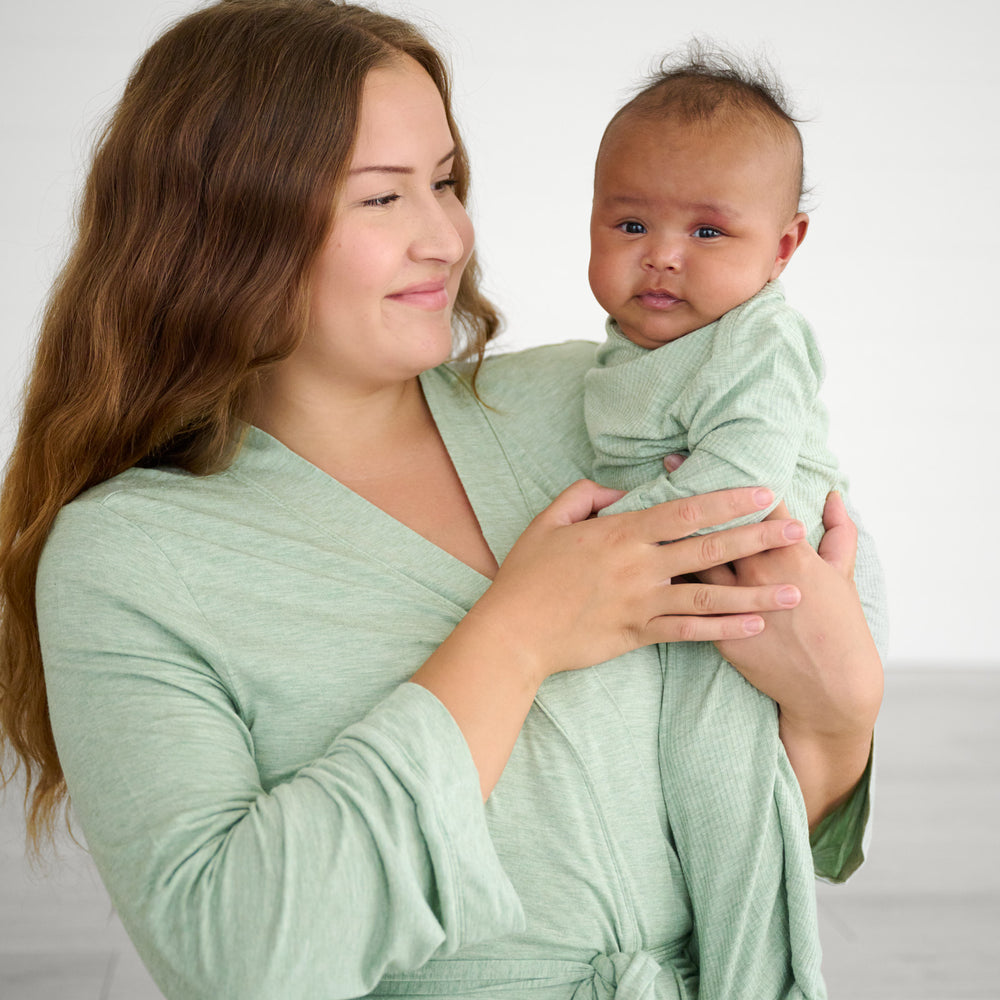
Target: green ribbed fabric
x,y
276,812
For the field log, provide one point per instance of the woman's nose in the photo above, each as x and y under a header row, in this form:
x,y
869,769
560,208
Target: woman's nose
x,y
439,236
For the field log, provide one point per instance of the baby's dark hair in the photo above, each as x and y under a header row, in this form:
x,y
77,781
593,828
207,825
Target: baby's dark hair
x,y
703,83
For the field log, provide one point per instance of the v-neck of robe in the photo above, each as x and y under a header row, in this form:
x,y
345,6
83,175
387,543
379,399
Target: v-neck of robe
x,y
481,462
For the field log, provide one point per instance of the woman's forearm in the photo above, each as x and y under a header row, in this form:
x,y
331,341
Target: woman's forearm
x,y
486,692
827,768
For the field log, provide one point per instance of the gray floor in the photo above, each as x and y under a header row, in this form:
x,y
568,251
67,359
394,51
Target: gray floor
x,y
920,921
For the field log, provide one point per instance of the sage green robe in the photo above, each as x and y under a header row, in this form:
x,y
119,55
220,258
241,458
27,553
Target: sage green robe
x,y
278,813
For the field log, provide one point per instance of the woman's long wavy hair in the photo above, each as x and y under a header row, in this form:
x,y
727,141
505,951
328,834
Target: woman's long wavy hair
x,y
209,197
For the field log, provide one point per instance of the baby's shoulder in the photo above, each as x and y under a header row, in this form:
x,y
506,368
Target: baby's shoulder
x,y
766,324
768,311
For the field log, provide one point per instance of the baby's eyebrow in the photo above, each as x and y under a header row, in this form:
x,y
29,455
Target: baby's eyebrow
x,y
718,208
387,168
715,209
626,199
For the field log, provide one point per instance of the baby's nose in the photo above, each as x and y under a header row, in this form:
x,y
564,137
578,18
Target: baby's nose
x,y
662,256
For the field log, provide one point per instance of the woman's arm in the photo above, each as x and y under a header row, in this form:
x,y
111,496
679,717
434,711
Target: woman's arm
x,y
372,857
375,855
818,662
575,591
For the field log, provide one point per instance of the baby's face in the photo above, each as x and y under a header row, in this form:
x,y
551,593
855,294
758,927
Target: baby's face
x,y
689,221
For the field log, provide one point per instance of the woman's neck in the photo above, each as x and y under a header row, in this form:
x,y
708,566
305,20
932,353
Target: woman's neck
x,y
384,446
350,434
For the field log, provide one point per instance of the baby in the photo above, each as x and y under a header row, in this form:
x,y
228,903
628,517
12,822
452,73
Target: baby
x,y
695,216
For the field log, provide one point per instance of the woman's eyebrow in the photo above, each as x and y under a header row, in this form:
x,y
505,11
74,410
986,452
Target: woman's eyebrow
x,y
391,169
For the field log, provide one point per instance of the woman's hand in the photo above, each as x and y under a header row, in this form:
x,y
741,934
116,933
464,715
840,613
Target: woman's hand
x,y
576,590
818,661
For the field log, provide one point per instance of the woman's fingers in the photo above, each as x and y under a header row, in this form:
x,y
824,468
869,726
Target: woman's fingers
x,y
719,576
702,552
839,544
578,502
779,512
700,612
700,628
668,522
706,599
577,590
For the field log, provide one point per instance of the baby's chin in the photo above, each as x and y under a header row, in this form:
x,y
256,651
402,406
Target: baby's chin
x,y
650,336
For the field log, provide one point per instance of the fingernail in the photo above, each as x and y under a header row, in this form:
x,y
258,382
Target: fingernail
x,y
795,530
673,462
753,625
762,497
788,596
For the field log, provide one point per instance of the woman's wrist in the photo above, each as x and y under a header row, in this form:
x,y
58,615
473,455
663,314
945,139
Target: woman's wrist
x,y
488,686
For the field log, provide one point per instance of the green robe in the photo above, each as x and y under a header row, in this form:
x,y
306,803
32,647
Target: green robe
x,y
277,813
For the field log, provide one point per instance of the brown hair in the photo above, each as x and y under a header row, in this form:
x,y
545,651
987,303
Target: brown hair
x,y
209,197
702,84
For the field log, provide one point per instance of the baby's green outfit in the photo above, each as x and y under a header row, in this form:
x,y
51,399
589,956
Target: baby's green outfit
x,y
740,396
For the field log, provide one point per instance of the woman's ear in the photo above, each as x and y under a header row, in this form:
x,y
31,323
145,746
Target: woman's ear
x,y
789,241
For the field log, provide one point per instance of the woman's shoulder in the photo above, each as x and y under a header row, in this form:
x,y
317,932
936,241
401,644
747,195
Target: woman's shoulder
x,y
148,494
143,492
140,508
534,401
556,364
538,377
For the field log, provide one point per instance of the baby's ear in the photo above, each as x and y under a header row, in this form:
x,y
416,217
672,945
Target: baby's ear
x,y
792,236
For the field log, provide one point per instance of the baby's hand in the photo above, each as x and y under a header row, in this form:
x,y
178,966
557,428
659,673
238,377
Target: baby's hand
x,y
673,462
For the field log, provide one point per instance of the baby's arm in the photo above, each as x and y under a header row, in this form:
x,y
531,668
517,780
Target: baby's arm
x,y
746,411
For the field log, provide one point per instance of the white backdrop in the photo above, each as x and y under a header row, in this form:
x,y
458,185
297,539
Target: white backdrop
x,y
897,274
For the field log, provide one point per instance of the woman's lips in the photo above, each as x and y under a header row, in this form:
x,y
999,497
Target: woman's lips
x,y
430,295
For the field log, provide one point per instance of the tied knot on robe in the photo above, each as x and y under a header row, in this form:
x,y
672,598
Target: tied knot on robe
x,y
637,975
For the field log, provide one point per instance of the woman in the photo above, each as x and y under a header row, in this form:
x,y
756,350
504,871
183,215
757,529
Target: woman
x,y
302,583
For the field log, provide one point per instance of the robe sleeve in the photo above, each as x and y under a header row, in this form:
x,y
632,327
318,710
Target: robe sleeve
x,y
371,859
839,843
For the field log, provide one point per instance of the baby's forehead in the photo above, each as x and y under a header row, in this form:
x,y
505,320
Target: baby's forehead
x,y
760,135
636,138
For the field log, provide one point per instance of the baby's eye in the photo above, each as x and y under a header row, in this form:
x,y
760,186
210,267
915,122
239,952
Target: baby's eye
x,y
707,232
632,228
381,201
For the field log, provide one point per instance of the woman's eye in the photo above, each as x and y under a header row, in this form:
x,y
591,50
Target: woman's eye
x,y
707,232
632,228
444,184
381,201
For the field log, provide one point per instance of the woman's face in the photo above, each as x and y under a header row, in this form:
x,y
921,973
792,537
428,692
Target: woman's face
x,y
384,284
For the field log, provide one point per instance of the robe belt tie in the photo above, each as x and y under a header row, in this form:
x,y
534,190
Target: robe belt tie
x,y
657,974
639,975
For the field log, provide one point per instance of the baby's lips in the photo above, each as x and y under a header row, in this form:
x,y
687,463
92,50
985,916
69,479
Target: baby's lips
x,y
657,298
